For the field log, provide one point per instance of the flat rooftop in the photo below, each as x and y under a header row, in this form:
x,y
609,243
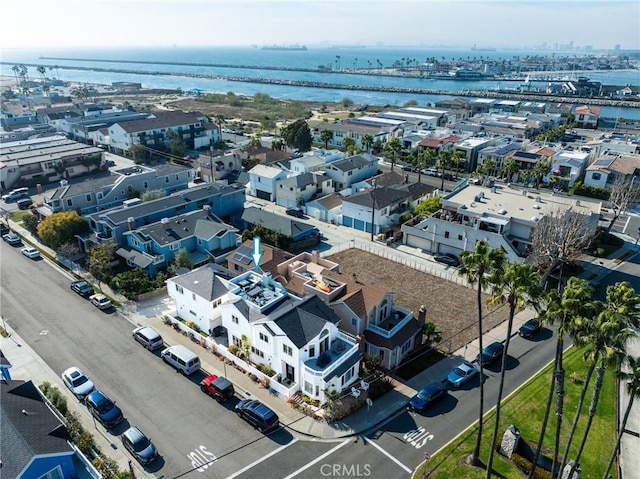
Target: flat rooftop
x,y
511,202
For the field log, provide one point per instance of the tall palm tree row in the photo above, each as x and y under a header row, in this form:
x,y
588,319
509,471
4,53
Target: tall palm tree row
x,y
632,377
518,285
568,310
475,268
605,340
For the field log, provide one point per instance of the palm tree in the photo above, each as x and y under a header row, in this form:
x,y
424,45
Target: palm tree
x,y
325,137
633,388
568,309
367,141
395,147
443,161
540,169
43,71
518,285
475,265
510,168
16,72
46,89
605,339
457,160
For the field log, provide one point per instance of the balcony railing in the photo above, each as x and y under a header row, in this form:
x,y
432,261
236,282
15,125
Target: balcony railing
x,y
389,333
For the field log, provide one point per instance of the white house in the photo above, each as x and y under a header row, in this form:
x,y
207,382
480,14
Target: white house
x,y
262,181
351,170
297,190
567,166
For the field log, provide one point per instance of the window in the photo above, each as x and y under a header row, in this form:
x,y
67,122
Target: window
x,y
312,351
234,319
446,234
193,296
192,313
405,347
166,180
145,185
381,354
354,322
89,197
459,237
308,387
236,340
257,352
69,202
264,337
174,246
596,176
348,375
287,350
179,289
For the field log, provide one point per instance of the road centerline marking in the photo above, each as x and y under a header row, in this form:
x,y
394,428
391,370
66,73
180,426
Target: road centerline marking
x,y
393,458
318,459
262,459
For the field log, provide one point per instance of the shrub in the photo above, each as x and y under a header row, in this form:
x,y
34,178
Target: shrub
x,y
263,368
379,387
265,382
233,349
191,325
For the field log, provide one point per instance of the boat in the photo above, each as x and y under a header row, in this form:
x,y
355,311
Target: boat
x,y
287,48
482,49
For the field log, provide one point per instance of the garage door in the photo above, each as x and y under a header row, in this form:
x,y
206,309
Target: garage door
x,y
263,195
418,242
444,249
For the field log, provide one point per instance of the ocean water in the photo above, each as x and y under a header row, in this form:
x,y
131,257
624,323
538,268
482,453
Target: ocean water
x,y
335,58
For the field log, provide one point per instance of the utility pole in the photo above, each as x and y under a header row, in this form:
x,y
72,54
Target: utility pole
x,y
373,208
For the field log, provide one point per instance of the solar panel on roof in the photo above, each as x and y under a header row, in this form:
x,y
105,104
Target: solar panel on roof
x,y
243,255
602,162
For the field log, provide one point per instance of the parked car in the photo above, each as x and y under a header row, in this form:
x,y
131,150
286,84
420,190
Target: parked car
x,y
24,203
490,353
83,288
461,374
529,329
77,382
257,414
218,388
100,301
427,396
430,172
12,238
139,445
16,194
148,337
447,258
298,213
104,409
4,229
407,168
30,252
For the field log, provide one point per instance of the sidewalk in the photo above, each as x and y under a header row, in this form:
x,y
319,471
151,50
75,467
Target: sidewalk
x,y
27,365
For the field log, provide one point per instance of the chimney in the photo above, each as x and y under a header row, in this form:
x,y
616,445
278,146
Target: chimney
x,y
131,222
207,208
360,343
165,223
40,190
315,256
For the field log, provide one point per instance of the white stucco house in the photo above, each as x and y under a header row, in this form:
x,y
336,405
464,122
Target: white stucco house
x,y
262,181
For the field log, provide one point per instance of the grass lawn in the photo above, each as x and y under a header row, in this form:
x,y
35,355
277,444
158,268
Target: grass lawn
x,y
525,409
17,215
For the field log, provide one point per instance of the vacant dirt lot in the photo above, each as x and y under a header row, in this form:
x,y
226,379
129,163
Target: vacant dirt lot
x,y
450,306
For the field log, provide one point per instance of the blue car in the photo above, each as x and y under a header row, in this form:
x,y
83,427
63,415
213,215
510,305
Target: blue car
x,y
427,396
104,409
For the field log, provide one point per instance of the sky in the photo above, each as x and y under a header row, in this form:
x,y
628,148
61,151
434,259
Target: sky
x,y
485,23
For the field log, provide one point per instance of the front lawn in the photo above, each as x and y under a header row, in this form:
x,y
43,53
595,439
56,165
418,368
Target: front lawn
x,y
525,409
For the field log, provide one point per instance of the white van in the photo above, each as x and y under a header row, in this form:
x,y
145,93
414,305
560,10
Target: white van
x,y
182,359
16,194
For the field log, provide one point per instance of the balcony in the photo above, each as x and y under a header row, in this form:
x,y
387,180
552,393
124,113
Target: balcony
x,y
341,348
391,325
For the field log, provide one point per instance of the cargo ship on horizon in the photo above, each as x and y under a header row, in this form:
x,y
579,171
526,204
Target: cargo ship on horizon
x,y
287,48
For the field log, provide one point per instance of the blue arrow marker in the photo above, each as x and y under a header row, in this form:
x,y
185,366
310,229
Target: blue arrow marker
x,y
257,254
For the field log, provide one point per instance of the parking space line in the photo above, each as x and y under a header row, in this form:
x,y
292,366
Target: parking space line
x,y
388,455
318,459
262,459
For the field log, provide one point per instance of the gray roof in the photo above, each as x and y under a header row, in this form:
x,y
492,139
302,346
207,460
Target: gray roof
x,y
354,162
23,436
330,201
198,223
285,225
304,320
204,282
81,187
120,214
298,181
165,119
384,197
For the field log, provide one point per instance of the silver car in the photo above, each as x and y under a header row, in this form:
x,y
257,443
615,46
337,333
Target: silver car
x,y
77,382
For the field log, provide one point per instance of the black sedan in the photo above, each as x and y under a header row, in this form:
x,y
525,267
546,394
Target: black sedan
x,y
529,329
83,288
490,354
295,212
447,258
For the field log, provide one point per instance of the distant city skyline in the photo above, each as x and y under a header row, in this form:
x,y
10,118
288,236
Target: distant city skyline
x,y
515,24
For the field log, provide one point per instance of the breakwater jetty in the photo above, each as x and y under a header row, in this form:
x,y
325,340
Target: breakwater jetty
x,y
503,94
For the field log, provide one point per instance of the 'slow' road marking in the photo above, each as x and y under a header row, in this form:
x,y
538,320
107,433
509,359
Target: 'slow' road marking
x,y
388,455
264,458
318,459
